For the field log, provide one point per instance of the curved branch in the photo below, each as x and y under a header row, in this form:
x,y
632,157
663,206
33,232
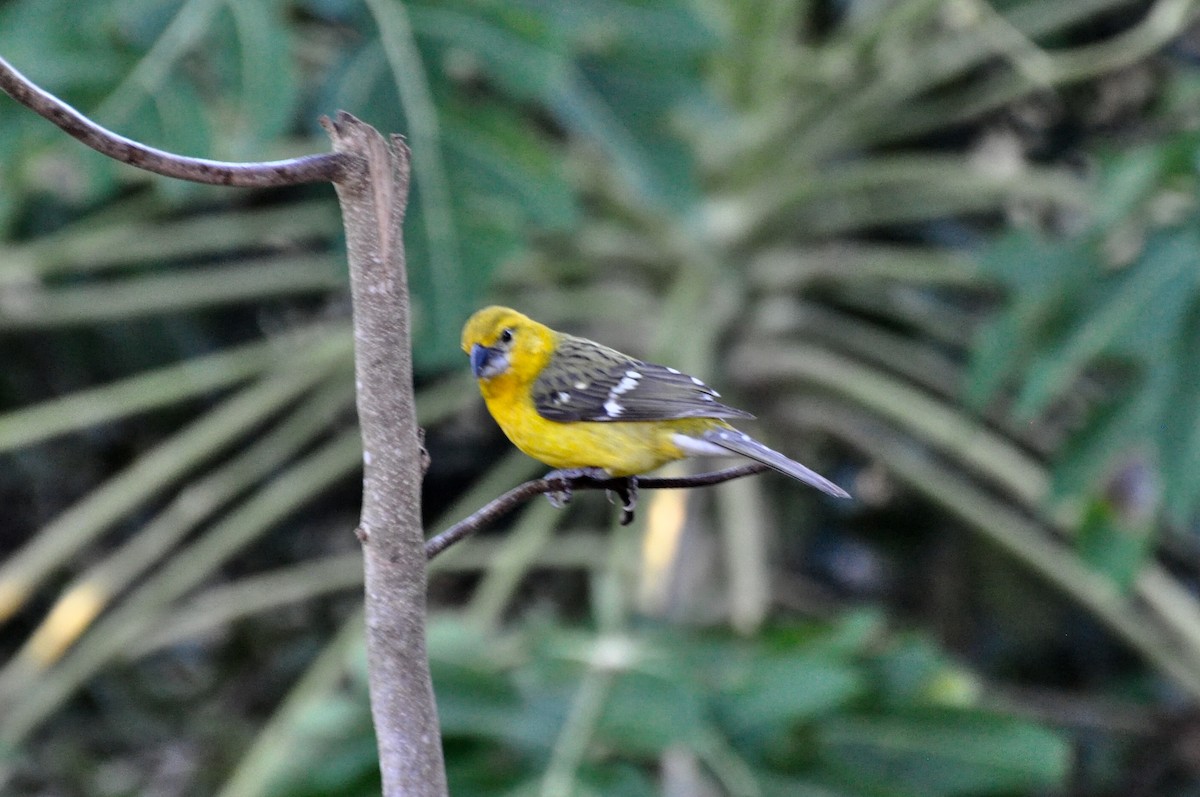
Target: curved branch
x,y
518,495
326,167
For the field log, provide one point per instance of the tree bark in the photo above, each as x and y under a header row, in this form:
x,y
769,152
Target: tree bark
x,y
373,199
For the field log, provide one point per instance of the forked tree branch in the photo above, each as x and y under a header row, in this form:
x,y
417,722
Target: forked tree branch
x,y
371,178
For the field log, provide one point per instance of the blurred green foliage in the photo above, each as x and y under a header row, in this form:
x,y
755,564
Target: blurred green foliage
x,y
817,204
1118,302
466,81
821,710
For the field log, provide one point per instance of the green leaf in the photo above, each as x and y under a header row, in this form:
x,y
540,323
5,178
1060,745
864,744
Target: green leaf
x,y
1132,177
348,768
518,178
266,102
644,714
1179,435
945,753
772,690
1150,288
907,669
1040,273
662,31
778,786
477,702
509,45
615,779
625,114
1090,453
1127,182
1111,546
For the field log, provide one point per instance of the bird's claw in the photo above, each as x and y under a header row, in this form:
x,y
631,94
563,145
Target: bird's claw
x,y
561,496
627,495
563,492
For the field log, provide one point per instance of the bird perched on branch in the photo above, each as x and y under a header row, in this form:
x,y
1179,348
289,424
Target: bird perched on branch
x,y
589,410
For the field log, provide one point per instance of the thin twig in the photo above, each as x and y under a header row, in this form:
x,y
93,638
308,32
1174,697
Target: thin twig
x,y
324,167
518,495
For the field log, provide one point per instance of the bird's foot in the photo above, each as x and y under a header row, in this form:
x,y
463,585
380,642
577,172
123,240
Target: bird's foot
x,y
561,495
627,495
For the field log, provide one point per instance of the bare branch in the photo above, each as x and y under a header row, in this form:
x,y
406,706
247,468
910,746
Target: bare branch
x,y
371,176
325,167
373,200
499,507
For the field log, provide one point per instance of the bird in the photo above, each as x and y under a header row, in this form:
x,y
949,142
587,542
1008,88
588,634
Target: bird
x,y
588,410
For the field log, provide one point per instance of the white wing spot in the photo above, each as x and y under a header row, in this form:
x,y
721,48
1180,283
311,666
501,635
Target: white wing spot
x,y
707,396
626,384
563,397
696,381
581,385
613,408
671,370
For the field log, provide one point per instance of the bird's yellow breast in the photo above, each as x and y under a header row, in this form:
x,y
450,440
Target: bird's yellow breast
x,y
623,448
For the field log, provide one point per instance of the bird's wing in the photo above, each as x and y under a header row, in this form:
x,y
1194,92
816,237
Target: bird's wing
x,y
585,381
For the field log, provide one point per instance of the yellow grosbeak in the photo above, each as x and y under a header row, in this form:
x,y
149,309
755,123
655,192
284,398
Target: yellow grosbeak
x,y
579,406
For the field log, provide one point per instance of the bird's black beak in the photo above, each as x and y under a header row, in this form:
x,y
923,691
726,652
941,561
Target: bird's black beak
x,y
479,359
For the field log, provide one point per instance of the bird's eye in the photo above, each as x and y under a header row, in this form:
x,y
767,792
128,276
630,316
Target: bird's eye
x,y
506,336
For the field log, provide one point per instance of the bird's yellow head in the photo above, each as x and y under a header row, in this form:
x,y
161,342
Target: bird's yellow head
x,y
501,341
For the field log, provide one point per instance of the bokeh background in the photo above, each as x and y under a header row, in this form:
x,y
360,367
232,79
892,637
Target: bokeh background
x,y
948,251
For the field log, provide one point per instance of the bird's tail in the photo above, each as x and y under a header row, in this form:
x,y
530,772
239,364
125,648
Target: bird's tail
x,y
739,443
